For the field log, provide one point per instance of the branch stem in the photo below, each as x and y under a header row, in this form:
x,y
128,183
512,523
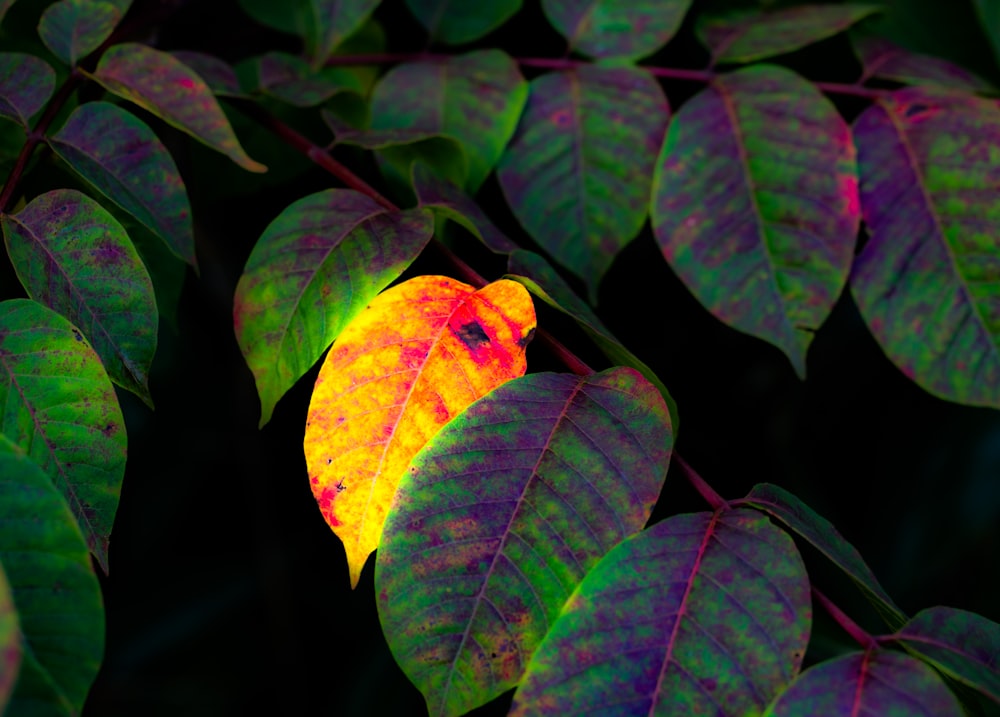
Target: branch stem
x,y
858,633
714,500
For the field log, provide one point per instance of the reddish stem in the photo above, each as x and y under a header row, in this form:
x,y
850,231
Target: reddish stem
x,y
852,628
714,500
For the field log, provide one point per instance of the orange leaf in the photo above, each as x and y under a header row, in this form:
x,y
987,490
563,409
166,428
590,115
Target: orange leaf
x,y
414,358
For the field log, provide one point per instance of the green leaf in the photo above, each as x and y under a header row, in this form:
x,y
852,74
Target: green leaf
x,y
608,28
884,59
455,22
926,281
160,83
74,28
315,267
121,157
323,24
700,614
867,683
578,173
26,84
962,644
56,593
989,17
218,75
538,277
747,36
61,409
818,531
474,98
73,256
755,204
501,515
290,79
10,626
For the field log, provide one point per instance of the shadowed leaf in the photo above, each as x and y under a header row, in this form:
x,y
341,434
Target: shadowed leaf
x,y
927,281
884,59
292,80
26,84
74,28
315,267
755,204
160,83
4,7
577,174
501,515
455,22
120,156
322,24
55,590
989,17
701,614
10,626
412,360
61,409
608,28
217,74
73,256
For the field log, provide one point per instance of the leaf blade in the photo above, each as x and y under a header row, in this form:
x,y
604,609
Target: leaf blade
x,y
603,28
26,84
72,29
456,23
10,633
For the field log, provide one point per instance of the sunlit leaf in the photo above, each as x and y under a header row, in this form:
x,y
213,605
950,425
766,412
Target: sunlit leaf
x,y
455,22
701,614
10,627
501,515
608,28
818,531
160,83
870,683
292,80
55,590
883,59
61,409
413,359
578,173
74,28
26,84
962,644
926,281
745,36
475,98
73,256
315,267
218,75
123,159
322,24
989,16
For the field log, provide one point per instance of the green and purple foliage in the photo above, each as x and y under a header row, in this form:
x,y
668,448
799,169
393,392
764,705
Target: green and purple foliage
x,y
535,558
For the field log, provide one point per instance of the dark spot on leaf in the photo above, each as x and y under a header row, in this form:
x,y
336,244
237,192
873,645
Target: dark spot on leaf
x,y
526,339
77,335
914,110
329,461
472,335
109,429
341,487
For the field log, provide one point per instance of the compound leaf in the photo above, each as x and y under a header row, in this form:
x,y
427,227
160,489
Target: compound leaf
x,y
455,22
26,84
607,28
74,28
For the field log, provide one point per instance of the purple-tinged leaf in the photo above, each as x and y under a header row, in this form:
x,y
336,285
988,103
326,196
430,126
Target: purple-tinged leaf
x,y
755,204
4,7
501,515
608,28
989,17
121,157
578,173
26,84
884,59
73,256
292,80
315,267
701,614
74,28
160,83
217,74
745,36
962,644
60,409
926,281
455,22
10,626
56,594
539,278
449,201
879,682
821,534
475,99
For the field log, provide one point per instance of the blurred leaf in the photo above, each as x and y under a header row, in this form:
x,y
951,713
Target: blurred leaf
x,y
455,22
55,590
217,74
73,256
315,267
26,84
538,277
322,24
501,515
121,157
876,683
412,360
61,409
10,626
884,59
753,35
72,29
818,531
962,644
608,28
700,614
989,17
578,173
926,281
755,204
4,7
160,83
292,80
474,98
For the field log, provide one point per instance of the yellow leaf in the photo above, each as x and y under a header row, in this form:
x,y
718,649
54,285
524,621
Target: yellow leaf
x,y
414,358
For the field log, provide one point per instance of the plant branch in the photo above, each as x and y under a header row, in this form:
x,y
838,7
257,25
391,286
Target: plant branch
x,y
714,500
852,628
